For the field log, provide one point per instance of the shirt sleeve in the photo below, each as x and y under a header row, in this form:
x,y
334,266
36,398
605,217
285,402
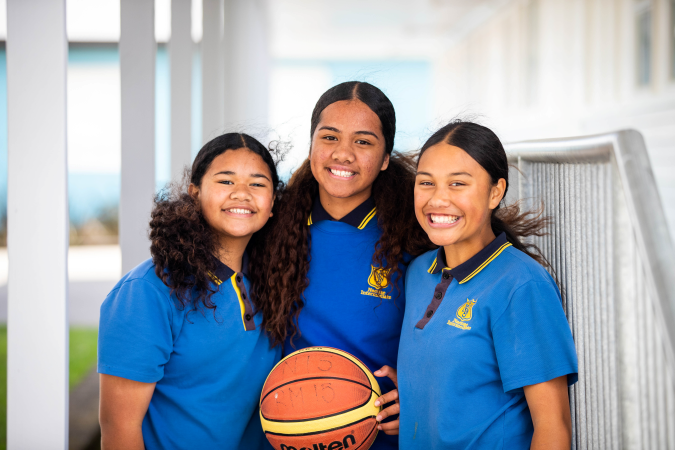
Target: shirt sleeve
x,y
135,337
532,338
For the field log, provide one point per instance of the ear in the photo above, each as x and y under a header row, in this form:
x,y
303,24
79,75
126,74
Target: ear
x,y
497,193
385,163
193,191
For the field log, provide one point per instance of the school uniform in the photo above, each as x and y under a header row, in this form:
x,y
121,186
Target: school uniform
x,y
473,336
343,306
209,365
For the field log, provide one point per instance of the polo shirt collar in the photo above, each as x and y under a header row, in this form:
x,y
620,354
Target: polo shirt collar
x,y
467,270
224,272
358,217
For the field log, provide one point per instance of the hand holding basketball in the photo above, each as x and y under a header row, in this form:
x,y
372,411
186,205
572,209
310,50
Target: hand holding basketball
x,y
391,396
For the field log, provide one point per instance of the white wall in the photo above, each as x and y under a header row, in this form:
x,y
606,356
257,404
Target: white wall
x,y
548,68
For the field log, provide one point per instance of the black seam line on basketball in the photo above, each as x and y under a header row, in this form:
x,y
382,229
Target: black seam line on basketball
x,y
314,378
343,357
367,437
322,431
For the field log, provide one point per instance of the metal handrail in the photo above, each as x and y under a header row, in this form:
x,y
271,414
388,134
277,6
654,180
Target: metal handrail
x,y
628,149
611,245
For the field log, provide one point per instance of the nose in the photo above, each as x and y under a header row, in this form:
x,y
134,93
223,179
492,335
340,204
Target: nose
x,y
240,193
440,199
343,152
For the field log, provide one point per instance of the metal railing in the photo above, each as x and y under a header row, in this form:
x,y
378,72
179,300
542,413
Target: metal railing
x,y
611,250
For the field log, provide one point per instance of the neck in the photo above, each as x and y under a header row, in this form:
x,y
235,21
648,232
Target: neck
x,y
340,207
460,252
231,251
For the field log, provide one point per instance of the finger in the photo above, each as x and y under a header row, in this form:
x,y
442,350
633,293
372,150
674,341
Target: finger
x,y
390,396
387,371
390,428
386,412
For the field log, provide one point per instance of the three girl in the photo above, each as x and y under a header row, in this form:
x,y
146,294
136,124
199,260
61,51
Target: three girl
x,y
477,329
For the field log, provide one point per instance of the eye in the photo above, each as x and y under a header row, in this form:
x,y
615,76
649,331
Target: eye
x,y
258,185
457,183
329,138
225,182
362,142
426,183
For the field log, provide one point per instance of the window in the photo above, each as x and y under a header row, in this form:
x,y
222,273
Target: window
x,y
644,42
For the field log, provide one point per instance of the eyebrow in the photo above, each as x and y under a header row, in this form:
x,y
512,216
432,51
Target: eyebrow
x,y
253,175
453,174
370,133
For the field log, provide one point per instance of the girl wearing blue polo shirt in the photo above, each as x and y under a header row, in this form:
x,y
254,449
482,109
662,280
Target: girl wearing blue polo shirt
x,y
182,354
346,231
486,353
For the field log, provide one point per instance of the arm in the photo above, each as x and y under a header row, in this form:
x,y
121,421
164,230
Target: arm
x,y
123,405
391,396
550,409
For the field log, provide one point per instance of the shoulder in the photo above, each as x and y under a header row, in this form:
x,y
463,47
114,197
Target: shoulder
x,y
141,281
422,263
523,269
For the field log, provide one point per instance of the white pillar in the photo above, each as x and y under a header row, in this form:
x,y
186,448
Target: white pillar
x,y
180,60
213,69
137,72
37,203
247,65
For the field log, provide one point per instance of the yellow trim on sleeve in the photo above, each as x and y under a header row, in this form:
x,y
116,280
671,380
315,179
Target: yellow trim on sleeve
x,y
242,307
487,261
365,221
309,220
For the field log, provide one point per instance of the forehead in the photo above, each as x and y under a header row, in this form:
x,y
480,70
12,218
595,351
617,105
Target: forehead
x,y
240,160
346,115
446,158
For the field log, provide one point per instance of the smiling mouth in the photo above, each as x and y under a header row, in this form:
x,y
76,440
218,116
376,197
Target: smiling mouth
x,y
443,218
341,173
241,211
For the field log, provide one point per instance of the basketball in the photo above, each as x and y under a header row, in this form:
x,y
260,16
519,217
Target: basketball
x,y
320,398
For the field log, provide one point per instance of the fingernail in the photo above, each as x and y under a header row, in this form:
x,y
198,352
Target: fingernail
x,y
377,403
379,427
378,418
377,372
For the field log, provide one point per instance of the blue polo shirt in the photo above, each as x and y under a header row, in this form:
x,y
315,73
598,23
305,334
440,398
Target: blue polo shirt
x,y
209,366
472,337
343,306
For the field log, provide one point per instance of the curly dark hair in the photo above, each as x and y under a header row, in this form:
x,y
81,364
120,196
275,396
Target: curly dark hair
x,y
183,244
287,260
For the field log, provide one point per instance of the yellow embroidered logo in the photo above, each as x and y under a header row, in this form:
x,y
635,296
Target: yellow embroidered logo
x,y
378,277
464,314
377,281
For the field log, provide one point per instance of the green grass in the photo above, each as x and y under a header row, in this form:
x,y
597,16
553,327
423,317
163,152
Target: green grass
x,y
82,360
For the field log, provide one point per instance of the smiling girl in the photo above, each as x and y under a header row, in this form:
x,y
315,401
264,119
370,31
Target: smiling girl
x,y
484,320
182,354
346,229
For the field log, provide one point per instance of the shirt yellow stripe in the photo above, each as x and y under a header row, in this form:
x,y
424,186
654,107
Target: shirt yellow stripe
x,y
433,266
488,261
309,221
241,302
365,221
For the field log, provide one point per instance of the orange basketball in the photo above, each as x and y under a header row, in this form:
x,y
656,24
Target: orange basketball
x,y
320,398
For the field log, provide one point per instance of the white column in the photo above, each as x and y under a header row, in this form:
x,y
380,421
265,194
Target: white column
x,y
213,69
137,72
180,60
37,203
247,65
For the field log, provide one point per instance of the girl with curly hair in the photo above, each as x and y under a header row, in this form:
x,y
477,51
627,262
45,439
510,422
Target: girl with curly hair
x,y
182,353
336,260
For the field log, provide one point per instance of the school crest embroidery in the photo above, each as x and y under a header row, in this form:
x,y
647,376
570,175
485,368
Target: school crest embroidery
x,y
377,282
378,277
464,314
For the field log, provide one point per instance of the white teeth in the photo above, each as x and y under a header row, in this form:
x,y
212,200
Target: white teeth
x,y
240,211
442,218
341,173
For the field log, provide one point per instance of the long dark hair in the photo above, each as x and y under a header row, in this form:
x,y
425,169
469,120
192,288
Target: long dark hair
x,y
183,244
288,249
486,149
